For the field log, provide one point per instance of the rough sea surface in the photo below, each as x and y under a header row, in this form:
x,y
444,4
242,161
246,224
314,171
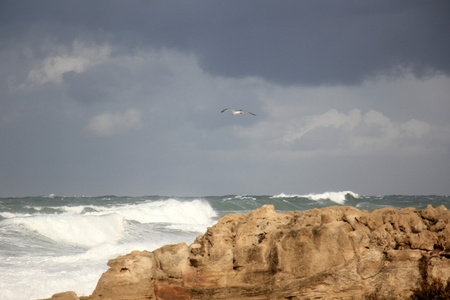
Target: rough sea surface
x,y
51,244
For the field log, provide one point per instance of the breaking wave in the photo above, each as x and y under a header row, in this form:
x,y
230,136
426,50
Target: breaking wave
x,y
91,225
81,230
338,197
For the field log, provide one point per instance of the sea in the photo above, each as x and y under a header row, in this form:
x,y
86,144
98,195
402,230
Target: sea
x,y
51,244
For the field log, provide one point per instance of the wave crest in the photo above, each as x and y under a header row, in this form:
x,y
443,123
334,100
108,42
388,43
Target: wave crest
x,y
338,197
172,211
81,230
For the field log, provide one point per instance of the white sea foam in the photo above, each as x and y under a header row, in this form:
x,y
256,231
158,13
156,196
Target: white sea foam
x,y
200,228
168,211
8,215
283,195
103,231
78,271
78,209
82,230
42,278
338,197
106,224
244,197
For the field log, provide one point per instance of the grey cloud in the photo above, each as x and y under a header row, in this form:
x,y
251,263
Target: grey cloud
x,y
108,124
332,45
293,42
125,97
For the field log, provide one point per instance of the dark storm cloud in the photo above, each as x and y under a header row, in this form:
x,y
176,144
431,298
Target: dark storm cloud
x,y
289,42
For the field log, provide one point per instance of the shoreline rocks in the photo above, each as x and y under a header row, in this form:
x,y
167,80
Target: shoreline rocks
x,y
336,252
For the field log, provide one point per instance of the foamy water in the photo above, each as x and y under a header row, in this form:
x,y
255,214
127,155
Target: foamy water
x,y
45,253
54,244
338,197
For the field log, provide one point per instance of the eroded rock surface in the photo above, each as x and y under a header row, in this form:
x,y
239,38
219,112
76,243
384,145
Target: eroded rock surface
x,y
335,252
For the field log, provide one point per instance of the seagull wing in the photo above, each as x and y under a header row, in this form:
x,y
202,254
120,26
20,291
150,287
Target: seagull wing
x,y
224,110
248,112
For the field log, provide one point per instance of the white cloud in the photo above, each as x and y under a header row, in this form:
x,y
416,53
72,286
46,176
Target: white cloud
x,y
354,132
77,59
414,129
401,116
372,131
108,124
332,118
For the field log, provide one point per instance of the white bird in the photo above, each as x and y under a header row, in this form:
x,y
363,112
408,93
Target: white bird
x,y
237,111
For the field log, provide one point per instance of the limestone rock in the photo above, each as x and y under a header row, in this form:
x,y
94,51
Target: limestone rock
x,y
70,295
130,276
335,252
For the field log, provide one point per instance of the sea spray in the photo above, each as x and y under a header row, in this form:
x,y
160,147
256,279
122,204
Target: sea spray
x,y
338,197
43,249
82,230
168,211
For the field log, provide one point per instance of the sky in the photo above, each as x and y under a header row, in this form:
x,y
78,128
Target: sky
x,y
115,97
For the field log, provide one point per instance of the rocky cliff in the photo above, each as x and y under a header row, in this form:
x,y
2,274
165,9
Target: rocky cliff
x,y
336,252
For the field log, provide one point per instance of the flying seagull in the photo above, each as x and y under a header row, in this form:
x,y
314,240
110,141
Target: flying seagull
x,y
238,111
